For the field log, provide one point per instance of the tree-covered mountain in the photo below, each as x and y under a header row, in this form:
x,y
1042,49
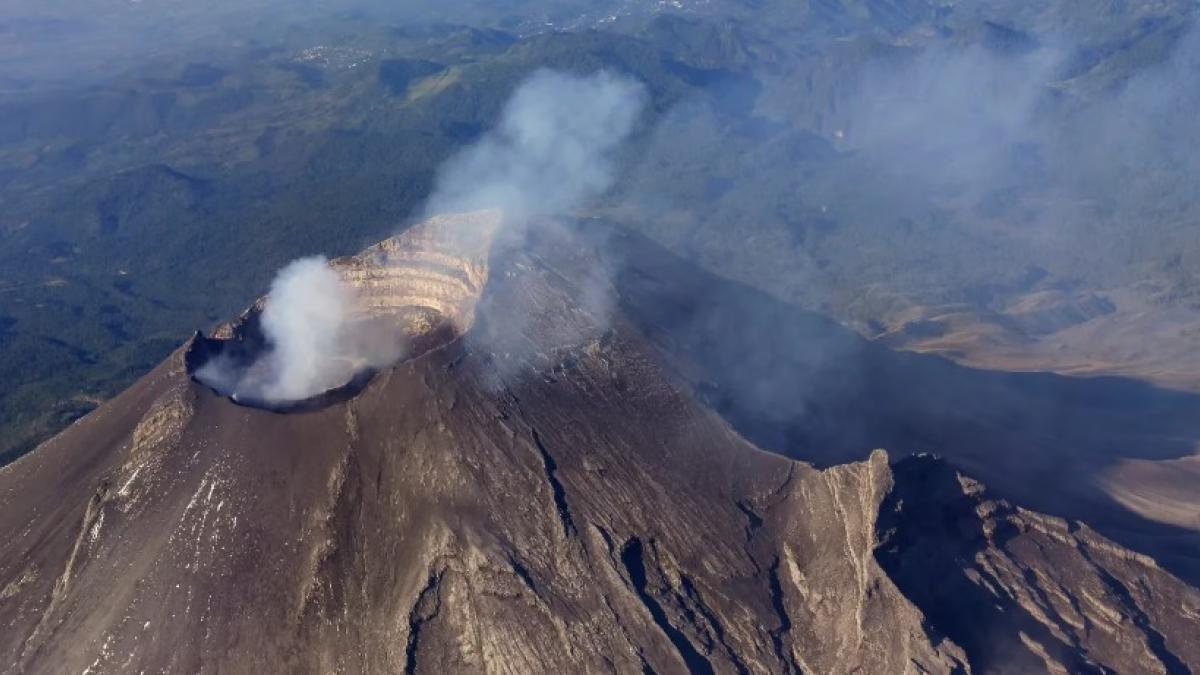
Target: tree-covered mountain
x,y
1003,183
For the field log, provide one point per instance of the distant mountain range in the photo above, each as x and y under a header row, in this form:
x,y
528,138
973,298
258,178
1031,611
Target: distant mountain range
x,y
772,156
962,232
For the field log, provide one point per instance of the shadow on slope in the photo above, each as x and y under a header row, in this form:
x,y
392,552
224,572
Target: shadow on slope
x,y
800,384
950,549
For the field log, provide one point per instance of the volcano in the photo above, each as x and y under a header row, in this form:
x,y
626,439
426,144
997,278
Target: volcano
x,y
540,485
407,295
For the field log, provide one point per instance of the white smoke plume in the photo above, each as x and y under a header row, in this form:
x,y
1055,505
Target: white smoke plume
x,y
314,342
305,319
550,152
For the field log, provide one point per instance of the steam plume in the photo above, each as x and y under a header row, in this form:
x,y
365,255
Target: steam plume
x,y
311,349
550,152
304,320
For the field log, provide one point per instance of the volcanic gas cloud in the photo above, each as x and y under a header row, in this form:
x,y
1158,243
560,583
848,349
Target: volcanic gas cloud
x,y
325,325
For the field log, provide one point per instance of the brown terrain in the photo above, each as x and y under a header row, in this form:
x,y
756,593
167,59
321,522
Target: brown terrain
x,y
567,474
1085,335
1119,332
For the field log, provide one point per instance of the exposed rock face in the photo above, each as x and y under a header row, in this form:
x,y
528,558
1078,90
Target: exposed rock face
x,y
403,296
540,495
432,274
1025,592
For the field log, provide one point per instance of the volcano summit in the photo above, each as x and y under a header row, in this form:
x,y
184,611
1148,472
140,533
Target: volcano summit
x,y
326,329
530,488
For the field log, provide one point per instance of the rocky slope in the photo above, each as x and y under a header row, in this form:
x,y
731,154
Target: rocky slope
x,y
1026,592
540,494
1117,453
433,274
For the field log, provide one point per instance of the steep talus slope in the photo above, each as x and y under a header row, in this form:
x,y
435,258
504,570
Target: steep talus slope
x,y
1022,591
1087,448
538,495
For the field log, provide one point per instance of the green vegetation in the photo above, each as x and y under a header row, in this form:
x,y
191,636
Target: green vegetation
x,y
161,201
173,210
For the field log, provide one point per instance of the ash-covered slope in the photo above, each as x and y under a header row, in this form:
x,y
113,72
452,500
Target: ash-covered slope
x,y
1025,592
539,494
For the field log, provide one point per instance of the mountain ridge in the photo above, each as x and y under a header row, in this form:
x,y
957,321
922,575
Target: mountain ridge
x,y
535,495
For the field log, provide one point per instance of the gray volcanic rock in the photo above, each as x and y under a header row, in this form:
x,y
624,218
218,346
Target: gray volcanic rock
x,y
1026,592
539,494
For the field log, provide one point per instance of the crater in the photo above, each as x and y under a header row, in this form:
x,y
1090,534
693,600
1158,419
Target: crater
x,y
412,293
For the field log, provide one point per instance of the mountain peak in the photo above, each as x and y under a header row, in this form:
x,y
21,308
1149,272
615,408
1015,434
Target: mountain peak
x,y
340,323
540,494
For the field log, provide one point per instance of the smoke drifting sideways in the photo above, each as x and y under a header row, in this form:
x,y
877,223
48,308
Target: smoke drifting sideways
x,y
1041,134
549,153
951,117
